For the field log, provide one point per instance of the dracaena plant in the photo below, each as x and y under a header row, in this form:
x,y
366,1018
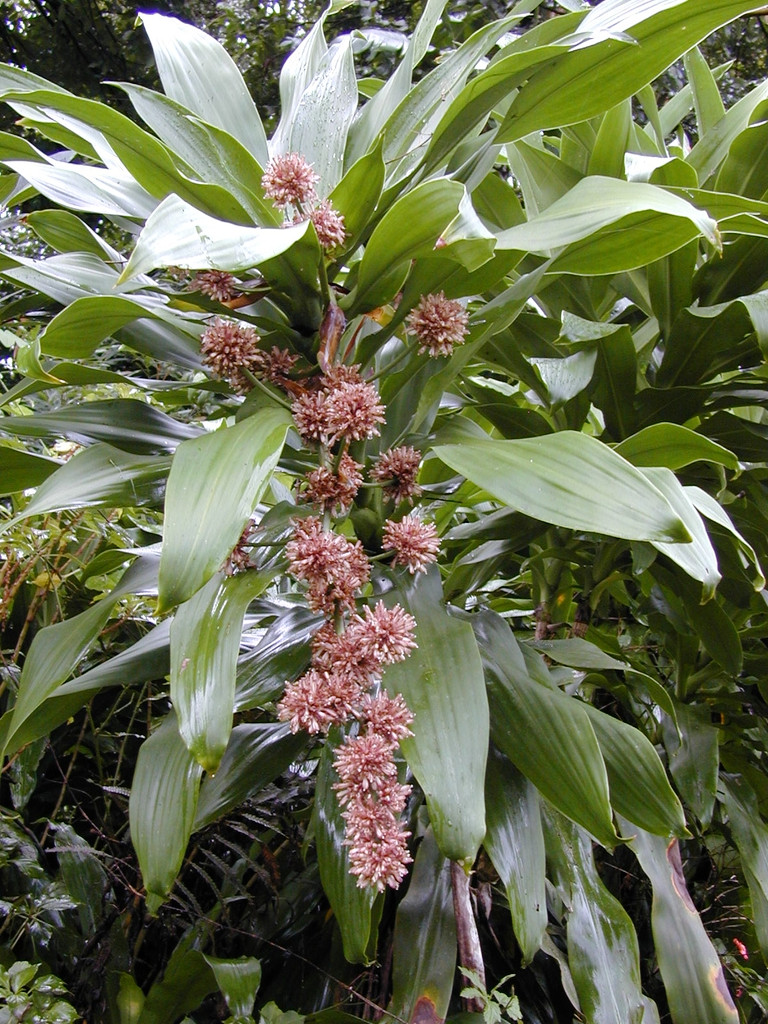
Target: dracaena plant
x,y
442,391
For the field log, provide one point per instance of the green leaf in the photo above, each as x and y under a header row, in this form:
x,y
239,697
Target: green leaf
x,y
197,72
673,446
52,657
357,910
604,225
573,85
544,733
423,972
177,234
571,480
713,147
409,228
603,952
697,557
128,424
442,683
692,745
256,754
186,981
205,640
162,808
65,232
640,790
77,330
750,834
238,979
706,96
20,470
213,487
101,476
693,976
515,844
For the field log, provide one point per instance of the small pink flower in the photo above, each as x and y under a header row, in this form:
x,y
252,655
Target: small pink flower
x,y
228,348
277,364
364,764
354,411
741,949
335,490
217,284
329,225
390,717
289,179
311,416
334,568
398,468
384,634
414,542
378,852
317,700
438,323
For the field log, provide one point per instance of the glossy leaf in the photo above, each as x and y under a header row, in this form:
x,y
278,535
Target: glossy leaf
x,y
255,756
20,470
673,446
640,790
162,808
101,476
78,329
177,234
692,974
238,979
357,910
544,733
750,834
423,972
197,72
692,749
515,844
603,952
127,424
570,480
442,683
205,640
214,484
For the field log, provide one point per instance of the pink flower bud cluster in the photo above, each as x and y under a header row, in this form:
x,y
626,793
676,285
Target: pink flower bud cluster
x,y
230,348
289,182
438,323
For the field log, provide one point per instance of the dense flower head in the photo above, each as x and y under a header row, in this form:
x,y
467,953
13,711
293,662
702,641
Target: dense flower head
x,y
277,364
364,765
397,468
350,409
387,716
340,373
438,323
317,700
228,348
378,851
334,568
329,225
217,284
414,542
385,635
289,180
335,491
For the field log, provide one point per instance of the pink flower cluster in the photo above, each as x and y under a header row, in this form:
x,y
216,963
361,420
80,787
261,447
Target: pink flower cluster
x,y
289,182
438,323
344,406
333,567
230,348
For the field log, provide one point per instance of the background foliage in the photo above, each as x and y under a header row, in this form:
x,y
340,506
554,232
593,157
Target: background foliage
x,y
589,686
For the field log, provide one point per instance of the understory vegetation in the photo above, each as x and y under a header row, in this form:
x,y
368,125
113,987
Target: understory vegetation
x,y
384,530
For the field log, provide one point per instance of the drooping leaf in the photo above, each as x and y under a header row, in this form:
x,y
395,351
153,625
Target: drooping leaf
x,y
423,972
214,484
544,732
568,479
515,843
238,979
751,836
20,470
162,808
692,974
442,683
205,640
673,446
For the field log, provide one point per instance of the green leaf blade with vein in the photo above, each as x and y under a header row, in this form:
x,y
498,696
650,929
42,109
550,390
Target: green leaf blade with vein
x,y
442,683
568,479
214,484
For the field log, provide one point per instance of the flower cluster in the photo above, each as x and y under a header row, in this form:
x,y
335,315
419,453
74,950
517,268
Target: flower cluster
x,y
229,349
333,567
216,284
289,182
438,323
397,469
414,542
341,408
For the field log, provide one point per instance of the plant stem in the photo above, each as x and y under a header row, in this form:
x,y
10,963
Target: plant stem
x,y
470,954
